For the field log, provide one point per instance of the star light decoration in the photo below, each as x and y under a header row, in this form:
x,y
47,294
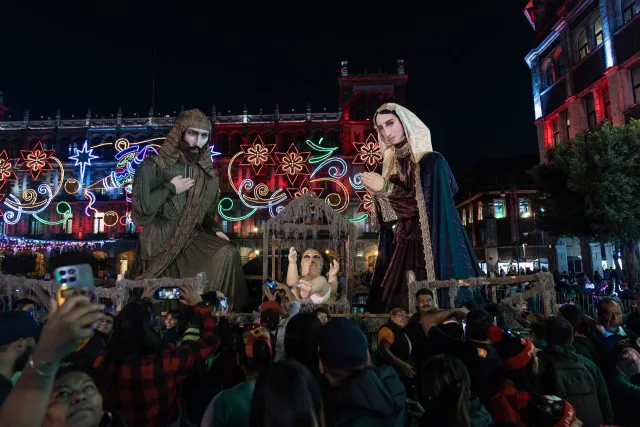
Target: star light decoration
x,y
366,202
36,160
258,154
293,164
83,158
304,188
213,152
369,153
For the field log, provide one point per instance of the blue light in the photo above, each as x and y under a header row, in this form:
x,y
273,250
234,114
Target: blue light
x,y
83,158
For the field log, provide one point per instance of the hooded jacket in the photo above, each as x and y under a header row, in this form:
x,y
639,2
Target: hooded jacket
x,y
373,397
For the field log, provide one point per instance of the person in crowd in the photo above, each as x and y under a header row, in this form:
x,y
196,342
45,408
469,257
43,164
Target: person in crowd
x,y
171,334
275,317
546,411
420,348
575,378
323,314
448,400
587,339
76,401
232,407
539,334
633,319
140,377
24,304
66,328
301,343
287,395
475,351
394,347
18,334
609,323
310,284
360,396
106,326
521,368
624,382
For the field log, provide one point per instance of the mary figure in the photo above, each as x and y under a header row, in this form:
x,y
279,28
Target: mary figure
x,y
420,229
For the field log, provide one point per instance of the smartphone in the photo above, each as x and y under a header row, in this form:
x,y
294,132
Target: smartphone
x,y
167,293
74,280
271,284
223,303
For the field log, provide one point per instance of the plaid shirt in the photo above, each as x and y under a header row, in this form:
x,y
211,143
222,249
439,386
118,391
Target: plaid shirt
x,y
145,390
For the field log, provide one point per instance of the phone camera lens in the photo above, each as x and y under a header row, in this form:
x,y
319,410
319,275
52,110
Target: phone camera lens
x,y
72,271
63,273
72,279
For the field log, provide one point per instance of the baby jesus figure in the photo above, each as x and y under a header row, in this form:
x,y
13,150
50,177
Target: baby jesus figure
x,y
311,284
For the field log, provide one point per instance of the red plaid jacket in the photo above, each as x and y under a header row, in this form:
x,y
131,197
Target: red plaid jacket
x,y
145,391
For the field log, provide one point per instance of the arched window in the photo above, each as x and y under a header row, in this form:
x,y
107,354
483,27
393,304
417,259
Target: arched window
x,y
597,31
629,10
561,61
548,74
583,44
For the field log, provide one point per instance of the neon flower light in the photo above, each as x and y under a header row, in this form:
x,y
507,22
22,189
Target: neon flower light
x,y
292,164
304,188
36,160
83,158
257,154
6,169
369,153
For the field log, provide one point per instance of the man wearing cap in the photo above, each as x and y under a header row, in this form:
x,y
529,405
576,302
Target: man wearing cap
x,y
175,198
18,335
275,317
359,395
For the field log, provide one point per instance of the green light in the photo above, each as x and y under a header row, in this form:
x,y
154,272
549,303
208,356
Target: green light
x,y
66,214
360,218
222,210
327,151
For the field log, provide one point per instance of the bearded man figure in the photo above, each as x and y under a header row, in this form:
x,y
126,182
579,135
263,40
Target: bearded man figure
x,y
175,199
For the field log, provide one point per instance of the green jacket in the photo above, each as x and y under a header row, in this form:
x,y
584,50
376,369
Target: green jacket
x,y
567,365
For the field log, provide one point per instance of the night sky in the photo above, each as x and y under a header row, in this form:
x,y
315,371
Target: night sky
x,y
468,80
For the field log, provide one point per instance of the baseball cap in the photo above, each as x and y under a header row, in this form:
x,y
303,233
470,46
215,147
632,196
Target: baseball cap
x,y
16,325
269,305
342,345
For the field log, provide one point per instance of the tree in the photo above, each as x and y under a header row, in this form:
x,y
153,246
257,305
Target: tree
x,y
591,189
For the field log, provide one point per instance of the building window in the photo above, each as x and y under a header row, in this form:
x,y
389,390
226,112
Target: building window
x,y
479,211
73,147
597,30
562,64
225,226
591,111
464,217
629,10
635,82
471,213
98,223
67,226
499,210
35,227
524,208
548,74
556,132
583,44
606,103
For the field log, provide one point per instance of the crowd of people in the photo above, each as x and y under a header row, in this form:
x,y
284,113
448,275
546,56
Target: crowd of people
x,y
459,367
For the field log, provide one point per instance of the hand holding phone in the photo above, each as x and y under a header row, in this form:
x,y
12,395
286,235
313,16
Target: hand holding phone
x,y
271,284
223,304
170,293
74,280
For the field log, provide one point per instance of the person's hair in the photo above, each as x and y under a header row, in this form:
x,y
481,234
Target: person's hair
x,y
497,312
134,333
396,311
285,382
575,316
22,303
301,339
559,331
211,299
539,329
447,385
321,310
385,111
261,356
605,300
422,292
478,322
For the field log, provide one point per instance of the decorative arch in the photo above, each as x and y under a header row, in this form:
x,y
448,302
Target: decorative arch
x,y
582,43
236,140
560,59
548,72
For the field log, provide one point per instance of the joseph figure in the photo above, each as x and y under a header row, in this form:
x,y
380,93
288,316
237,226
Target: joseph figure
x,y
175,199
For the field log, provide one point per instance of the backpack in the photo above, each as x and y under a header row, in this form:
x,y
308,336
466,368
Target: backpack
x,y
567,377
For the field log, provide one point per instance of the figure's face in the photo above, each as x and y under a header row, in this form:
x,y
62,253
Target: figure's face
x,y
312,263
76,395
170,321
611,317
196,138
401,319
391,129
426,304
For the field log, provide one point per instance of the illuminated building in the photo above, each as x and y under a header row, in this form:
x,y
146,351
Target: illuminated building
x,y
69,180
585,71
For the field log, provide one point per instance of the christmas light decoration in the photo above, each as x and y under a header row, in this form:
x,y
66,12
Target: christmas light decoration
x,y
257,154
318,147
22,244
369,153
36,160
6,169
66,213
83,158
366,202
304,188
292,164
213,152
110,218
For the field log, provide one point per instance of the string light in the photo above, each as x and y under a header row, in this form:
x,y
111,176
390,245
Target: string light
x,y
22,244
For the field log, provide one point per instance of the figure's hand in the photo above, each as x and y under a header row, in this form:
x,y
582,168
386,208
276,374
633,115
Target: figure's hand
x,y
293,256
182,184
223,236
372,181
334,268
189,295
